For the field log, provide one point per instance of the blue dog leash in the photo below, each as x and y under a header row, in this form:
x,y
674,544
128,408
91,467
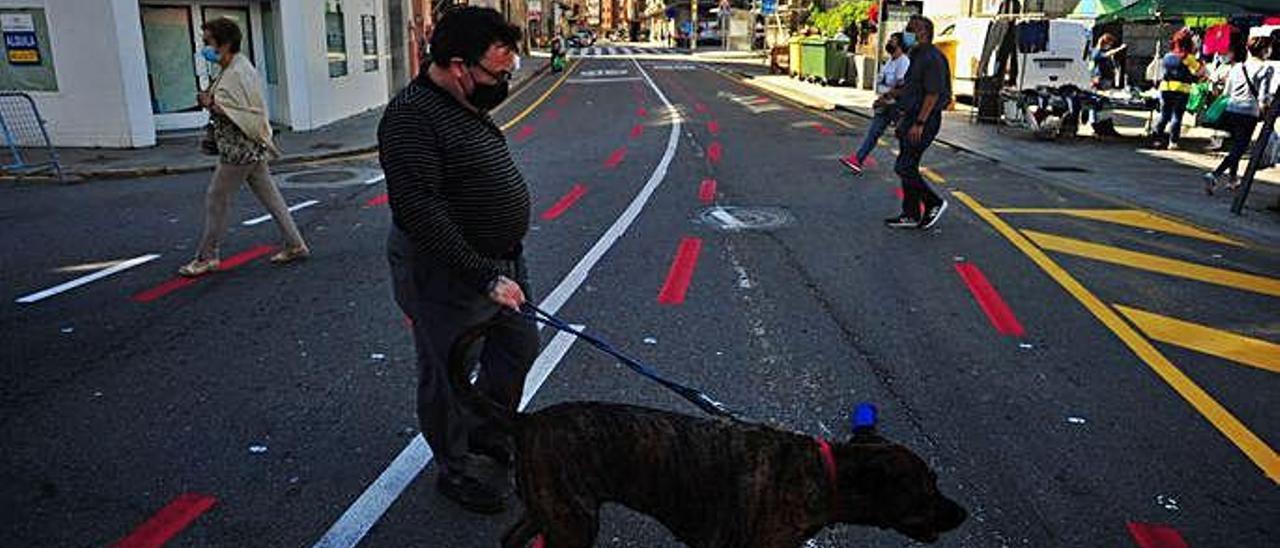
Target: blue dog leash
x,y
696,397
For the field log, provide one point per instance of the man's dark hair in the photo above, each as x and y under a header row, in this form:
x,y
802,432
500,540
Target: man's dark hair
x,y
1258,46
224,31
467,32
925,23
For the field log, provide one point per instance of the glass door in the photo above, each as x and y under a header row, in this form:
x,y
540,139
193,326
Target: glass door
x,y
170,52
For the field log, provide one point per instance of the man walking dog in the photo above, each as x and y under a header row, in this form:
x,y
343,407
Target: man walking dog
x,y
460,210
925,92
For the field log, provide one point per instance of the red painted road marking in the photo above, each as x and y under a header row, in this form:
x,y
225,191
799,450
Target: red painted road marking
x,y
870,161
616,157
642,112
551,115
637,130
179,283
715,152
562,100
564,203
526,131
707,191
699,107
1149,535
681,272
379,200
168,522
992,303
824,130
713,127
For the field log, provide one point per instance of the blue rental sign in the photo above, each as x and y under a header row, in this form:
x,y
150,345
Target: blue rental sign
x,y
768,7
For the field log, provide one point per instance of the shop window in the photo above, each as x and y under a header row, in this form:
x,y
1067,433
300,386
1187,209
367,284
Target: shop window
x,y
335,38
28,60
369,37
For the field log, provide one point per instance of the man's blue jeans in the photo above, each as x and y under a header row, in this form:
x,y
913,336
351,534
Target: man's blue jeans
x,y
879,123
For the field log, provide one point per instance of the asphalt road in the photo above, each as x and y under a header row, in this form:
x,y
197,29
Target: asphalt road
x,y
1071,374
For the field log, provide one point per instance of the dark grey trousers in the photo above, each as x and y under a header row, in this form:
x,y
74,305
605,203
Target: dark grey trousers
x,y
442,307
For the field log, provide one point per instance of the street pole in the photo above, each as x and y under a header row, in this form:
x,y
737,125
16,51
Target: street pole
x,y
693,36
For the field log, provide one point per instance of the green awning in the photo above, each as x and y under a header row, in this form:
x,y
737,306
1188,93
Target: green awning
x,y
1144,11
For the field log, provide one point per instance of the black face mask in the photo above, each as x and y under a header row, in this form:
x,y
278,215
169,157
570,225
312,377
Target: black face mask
x,y
488,96
888,48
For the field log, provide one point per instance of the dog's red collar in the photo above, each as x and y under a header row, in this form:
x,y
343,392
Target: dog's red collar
x,y
829,464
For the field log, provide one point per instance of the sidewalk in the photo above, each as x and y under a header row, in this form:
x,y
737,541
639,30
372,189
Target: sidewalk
x,y
179,152
1165,181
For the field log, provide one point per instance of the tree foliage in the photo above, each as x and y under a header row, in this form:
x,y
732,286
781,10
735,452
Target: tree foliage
x,y
831,22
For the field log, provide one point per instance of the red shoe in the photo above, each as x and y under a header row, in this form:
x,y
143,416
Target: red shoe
x,y
852,163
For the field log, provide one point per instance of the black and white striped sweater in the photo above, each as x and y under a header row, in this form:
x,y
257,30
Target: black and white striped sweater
x,y
451,183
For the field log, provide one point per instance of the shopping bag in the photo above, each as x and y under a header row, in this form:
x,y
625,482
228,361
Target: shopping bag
x,y
1201,97
1214,113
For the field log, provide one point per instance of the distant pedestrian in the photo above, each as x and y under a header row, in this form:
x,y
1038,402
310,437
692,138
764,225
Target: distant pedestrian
x,y
460,211
1249,90
926,91
885,108
1181,70
242,134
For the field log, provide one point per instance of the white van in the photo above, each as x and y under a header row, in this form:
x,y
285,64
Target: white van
x,y
1064,61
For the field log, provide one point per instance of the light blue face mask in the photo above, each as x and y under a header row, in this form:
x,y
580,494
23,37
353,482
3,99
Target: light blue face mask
x,y
909,39
210,54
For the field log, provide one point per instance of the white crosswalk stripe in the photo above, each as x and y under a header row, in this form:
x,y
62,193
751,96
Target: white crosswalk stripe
x,y
620,51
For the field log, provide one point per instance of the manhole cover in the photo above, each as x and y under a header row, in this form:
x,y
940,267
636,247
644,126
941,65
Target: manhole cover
x,y
327,178
744,218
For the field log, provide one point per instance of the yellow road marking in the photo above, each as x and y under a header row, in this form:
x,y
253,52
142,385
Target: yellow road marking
x,y
1156,263
933,176
540,99
1128,217
1257,450
1207,340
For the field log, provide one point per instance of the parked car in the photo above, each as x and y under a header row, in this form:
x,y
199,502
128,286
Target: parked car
x,y
583,38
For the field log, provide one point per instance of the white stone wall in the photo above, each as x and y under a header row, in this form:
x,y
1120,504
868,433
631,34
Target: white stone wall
x,y
315,99
102,98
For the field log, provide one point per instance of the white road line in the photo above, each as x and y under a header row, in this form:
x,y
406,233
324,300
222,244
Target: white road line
x,y
265,218
366,510
578,275
119,267
369,507
376,179
546,363
725,217
603,80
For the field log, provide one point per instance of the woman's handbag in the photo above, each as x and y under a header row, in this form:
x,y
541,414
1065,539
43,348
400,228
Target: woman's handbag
x,y
208,144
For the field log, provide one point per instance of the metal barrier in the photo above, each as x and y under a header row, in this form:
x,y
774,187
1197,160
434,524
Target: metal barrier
x,y
25,135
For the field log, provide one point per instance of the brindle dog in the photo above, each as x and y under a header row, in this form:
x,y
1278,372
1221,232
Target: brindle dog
x,y
711,482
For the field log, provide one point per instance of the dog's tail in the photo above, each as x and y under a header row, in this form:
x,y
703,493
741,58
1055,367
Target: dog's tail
x,y
460,378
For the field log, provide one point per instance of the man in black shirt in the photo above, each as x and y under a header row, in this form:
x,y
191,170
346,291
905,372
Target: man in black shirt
x,y
459,210
925,92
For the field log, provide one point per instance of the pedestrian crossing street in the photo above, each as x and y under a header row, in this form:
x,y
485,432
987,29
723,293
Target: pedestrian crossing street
x,y
621,51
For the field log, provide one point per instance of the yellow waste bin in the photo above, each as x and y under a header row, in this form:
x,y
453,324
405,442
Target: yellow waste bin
x,y
947,46
793,55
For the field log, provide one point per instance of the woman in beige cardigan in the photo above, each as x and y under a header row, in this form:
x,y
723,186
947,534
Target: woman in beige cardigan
x,y
242,133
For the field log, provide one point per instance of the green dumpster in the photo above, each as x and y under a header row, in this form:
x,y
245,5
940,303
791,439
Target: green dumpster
x,y
824,60
794,55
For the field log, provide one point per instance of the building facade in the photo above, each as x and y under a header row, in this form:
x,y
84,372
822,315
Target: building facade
x,y
114,73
